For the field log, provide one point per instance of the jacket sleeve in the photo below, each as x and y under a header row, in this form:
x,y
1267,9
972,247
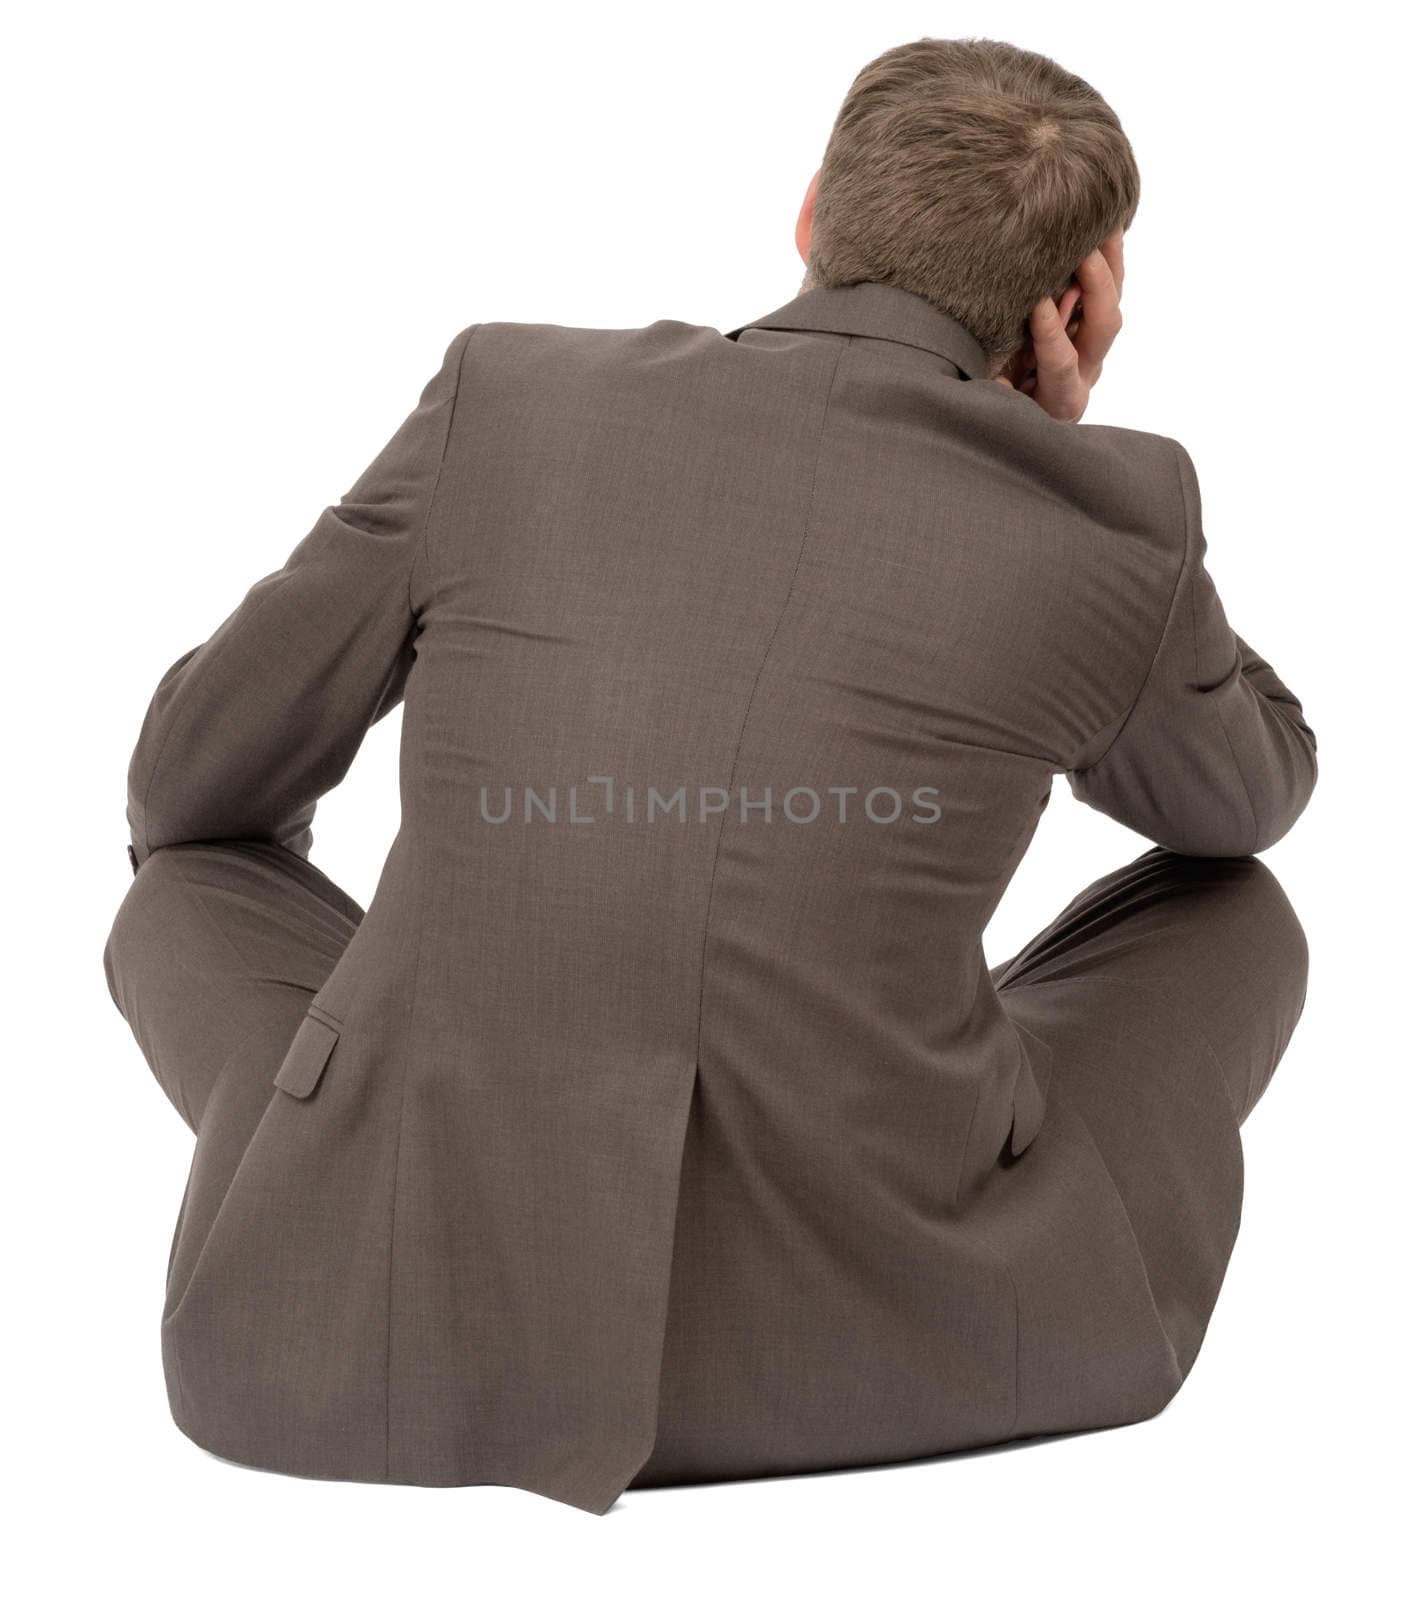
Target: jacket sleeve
x,y
246,731
1214,757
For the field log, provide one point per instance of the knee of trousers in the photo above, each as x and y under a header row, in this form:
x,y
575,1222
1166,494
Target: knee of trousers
x,y
147,926
1260,923
1257,957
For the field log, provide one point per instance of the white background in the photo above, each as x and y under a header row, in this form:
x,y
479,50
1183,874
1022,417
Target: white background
x,y
240,239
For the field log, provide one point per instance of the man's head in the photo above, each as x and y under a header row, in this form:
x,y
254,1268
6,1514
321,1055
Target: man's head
x,y
972,173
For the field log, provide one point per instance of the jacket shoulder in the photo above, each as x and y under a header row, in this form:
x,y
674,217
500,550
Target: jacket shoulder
x,y
1145,469
1139,450
1127,478
1164,463
571,336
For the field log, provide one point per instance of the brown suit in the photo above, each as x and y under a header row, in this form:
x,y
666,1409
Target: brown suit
x,y
644,1149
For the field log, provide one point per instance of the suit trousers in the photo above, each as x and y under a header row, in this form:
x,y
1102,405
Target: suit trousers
x,y
1167,966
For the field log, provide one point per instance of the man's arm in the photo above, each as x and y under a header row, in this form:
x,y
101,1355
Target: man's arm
x,y
1214,757
249,729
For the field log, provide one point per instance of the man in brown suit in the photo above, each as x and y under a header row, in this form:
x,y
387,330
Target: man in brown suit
x,y
660,1119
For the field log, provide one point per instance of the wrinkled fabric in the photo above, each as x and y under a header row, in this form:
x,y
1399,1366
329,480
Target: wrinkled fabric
x,y
629,1148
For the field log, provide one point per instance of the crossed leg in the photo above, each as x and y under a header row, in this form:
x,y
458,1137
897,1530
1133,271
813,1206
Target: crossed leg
x,y
212,959
1168,990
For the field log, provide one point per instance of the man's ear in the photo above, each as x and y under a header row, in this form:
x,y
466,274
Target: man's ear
x,y
805,222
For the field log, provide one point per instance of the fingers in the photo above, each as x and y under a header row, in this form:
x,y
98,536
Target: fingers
x,y
1061,389
1101,321
1113,251
1070,338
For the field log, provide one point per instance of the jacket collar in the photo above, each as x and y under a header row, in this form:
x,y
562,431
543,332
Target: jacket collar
x,y
879,311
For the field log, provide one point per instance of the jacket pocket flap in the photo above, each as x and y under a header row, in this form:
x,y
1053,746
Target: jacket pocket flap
x,y
306,1058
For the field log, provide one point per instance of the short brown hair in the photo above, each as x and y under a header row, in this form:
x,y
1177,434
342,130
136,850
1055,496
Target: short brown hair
x,y
974,174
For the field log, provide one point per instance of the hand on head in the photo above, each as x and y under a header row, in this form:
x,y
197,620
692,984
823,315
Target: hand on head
x,y
1069,338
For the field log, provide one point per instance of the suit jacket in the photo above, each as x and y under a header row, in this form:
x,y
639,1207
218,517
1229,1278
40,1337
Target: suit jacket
x,y
811,556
